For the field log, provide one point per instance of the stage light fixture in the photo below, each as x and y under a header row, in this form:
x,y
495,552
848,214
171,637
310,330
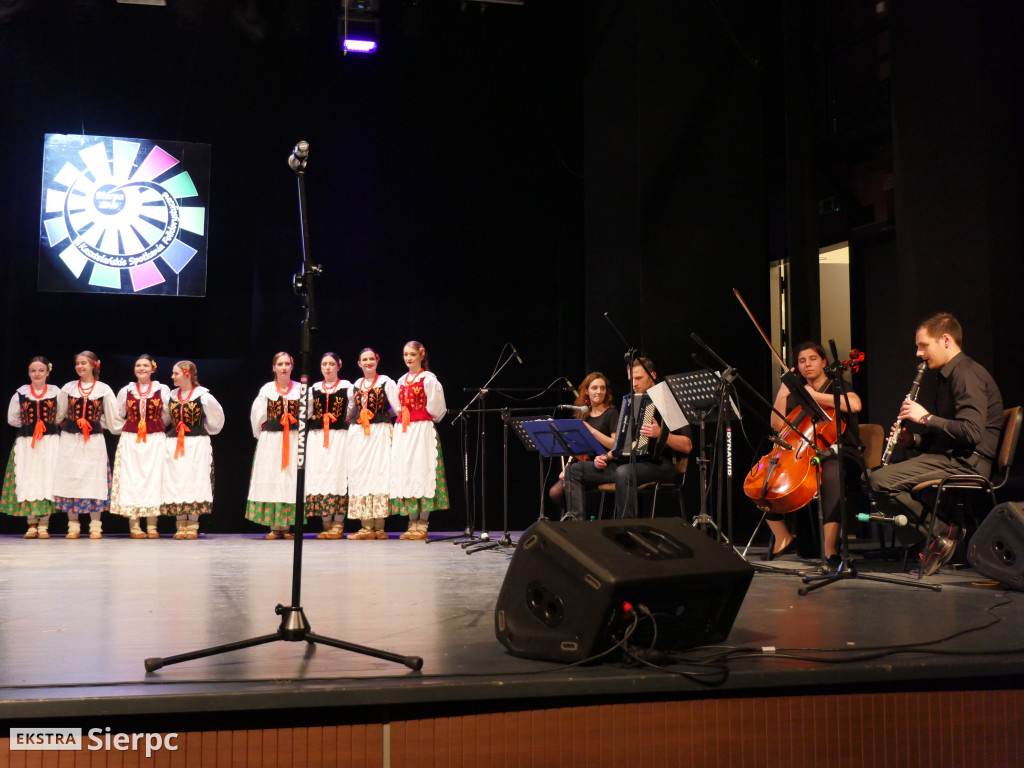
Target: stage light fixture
x,y
359,26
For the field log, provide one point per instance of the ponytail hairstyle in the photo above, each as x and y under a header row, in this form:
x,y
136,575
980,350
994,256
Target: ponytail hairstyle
x,y
424,363
333,356
91,357
189,369
279,355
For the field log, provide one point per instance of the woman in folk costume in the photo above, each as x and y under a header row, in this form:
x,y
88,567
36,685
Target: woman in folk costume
x,y
326,477
274,417
139,460
82,485
35,411
187,482
418,484
374,399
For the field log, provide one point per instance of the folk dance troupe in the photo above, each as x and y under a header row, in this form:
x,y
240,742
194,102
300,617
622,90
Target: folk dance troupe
x,y
359,465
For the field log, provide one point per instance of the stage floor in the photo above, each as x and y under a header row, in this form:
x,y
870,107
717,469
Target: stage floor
x,y
78,619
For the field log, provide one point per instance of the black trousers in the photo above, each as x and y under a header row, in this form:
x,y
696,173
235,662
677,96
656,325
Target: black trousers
x,y
891,485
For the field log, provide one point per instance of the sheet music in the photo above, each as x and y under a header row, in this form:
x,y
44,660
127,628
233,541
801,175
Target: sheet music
x,y
667,406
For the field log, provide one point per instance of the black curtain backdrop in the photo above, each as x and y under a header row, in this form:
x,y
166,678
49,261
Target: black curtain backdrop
x,y
511,174
958,125
444,188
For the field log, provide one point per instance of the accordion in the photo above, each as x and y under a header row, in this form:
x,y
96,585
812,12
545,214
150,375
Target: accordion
x,y
644,448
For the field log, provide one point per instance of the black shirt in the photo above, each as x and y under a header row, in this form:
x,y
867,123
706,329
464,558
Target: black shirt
x,y
968,413
606,422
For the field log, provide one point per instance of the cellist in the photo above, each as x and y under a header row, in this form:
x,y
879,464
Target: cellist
x,y
810,365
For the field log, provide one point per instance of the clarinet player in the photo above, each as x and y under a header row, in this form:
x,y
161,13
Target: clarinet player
x,y
960,434
607,468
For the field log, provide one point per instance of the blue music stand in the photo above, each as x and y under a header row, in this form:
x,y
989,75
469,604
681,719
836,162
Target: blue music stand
x,y
562,437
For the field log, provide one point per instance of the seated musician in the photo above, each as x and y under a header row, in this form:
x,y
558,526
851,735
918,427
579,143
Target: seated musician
x,y
607,468
961,435
594,393
810,365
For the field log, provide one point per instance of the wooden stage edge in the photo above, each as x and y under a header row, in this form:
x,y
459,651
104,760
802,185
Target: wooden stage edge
x,y
906,730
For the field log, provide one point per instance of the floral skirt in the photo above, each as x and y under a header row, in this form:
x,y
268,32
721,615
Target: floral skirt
x,y
326,505
274,514
9,504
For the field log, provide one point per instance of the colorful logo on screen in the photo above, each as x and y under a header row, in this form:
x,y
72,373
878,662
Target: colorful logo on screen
x,y
121,215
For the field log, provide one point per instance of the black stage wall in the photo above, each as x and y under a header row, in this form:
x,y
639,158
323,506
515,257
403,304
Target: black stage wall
x,y
958,124
444,196
511,174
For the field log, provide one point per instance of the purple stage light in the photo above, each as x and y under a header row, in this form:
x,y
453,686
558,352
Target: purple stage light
x,y
359,46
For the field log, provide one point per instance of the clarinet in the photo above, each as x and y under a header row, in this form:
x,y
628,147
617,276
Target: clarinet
x,y
912,396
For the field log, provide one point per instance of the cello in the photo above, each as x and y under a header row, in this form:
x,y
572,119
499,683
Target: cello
x,y
786,479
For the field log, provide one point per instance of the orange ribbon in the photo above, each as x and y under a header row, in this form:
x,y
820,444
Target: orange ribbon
x,y
286,420
140,436
86,427
179,449
406,418
38,432
364,418
328,418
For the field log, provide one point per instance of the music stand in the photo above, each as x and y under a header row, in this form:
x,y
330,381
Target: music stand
x,y
696,393
563,437
531,447
560,437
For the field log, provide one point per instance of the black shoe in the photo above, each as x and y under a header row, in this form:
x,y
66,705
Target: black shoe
x,y
834,563
786,550
938,554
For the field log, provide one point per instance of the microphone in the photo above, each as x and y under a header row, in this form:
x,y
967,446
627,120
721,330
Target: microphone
x,y
879,517
774,438
297,159
516,353
583,409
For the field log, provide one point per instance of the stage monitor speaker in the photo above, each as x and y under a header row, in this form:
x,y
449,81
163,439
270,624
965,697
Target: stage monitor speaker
x,y
997,548
563,595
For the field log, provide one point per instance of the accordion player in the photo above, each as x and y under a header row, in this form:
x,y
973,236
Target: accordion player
x,y
654,450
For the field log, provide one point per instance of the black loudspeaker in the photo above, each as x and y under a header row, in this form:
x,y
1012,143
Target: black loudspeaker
x,y
564,594
997,548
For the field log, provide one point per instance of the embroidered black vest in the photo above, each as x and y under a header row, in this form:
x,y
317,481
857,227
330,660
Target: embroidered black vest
x,y
375,401
337,405
82,408
191,413
275,410
37,410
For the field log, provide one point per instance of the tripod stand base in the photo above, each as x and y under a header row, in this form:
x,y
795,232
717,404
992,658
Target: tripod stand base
x,y
460,538
705,521
294,628
847,571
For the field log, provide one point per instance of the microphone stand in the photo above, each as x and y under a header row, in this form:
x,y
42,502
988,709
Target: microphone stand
x,y
294,626
468,536
632,358
846,568
506,537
